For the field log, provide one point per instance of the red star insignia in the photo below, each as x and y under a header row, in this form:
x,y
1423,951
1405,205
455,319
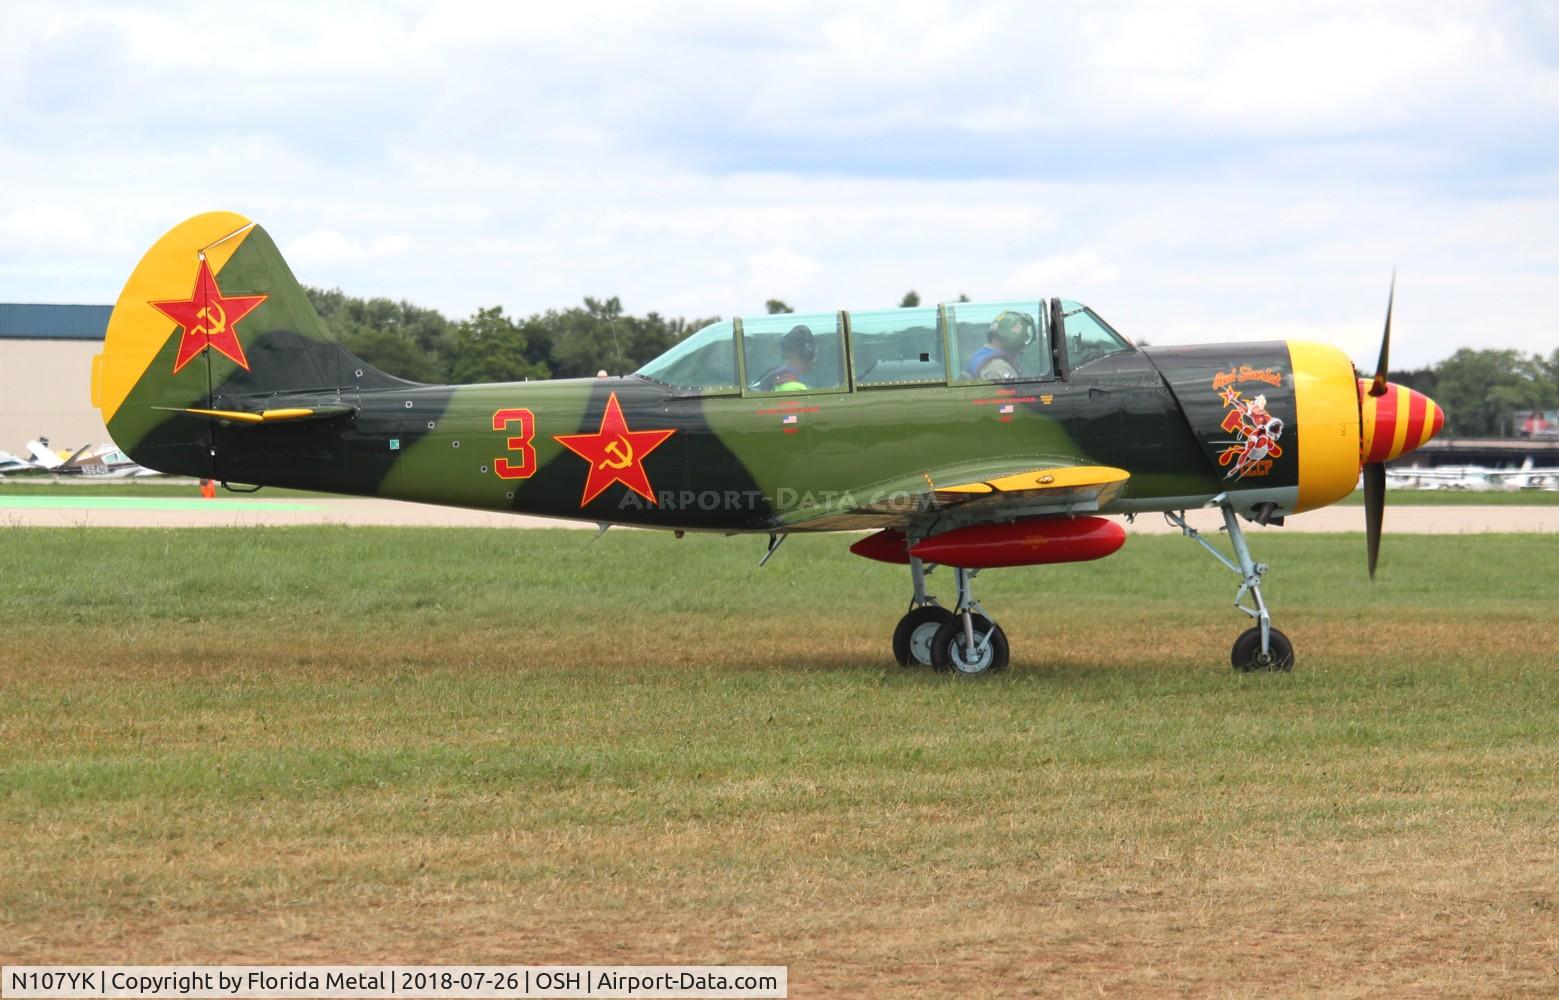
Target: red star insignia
x,y
1231,395
615,453
209,319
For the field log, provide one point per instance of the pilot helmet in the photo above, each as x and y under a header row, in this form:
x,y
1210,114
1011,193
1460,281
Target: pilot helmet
x,y
1016,329
800,343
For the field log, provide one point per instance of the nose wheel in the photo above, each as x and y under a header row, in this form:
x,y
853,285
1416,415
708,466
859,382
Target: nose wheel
x,y
1248,656
1261,647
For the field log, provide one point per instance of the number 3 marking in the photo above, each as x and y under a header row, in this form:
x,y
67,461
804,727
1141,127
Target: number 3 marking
x,y
519,444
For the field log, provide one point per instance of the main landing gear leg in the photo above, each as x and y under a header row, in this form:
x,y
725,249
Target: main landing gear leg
x,y
912,637
1261,647
970,643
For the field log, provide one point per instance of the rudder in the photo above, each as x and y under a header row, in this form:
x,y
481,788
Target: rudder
x,y
210,317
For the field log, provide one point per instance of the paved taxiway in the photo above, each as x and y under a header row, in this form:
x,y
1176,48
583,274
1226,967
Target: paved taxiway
x,y
228,511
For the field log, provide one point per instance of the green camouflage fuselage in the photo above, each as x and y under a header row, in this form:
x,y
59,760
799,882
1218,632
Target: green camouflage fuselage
x,y
731,464
734,462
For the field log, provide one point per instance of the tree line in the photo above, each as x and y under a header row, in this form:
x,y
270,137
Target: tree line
x,y
490,346
1479,389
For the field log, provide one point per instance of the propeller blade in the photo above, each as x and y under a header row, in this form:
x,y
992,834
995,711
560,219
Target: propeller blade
x,y
1378,386
1374,509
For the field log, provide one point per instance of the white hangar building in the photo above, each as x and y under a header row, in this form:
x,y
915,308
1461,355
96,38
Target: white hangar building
x,y
46,356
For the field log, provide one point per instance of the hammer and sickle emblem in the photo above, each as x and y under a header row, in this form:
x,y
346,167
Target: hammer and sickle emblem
x,y
621,451
215,318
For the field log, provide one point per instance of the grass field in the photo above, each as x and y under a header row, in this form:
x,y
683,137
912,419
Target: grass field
x,y
1462,498
466,745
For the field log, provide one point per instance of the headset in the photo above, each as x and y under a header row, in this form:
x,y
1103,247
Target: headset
x,y
799,342
1014,328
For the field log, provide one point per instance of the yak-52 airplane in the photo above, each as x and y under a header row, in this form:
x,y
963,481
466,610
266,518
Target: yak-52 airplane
x,y
967,435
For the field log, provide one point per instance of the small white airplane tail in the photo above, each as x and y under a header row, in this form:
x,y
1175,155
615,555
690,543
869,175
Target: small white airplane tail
x,y
42,455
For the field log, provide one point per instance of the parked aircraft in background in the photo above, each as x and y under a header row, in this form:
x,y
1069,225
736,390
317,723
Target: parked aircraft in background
x,y
1475,478
45,457
108,461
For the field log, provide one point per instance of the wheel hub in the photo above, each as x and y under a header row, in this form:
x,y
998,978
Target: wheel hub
x,y
967,661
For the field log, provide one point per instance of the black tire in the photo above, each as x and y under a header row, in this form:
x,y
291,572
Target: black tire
x,y
912,636
948,651
1246,654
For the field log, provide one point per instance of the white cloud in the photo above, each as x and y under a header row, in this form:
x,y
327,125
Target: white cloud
x,y
1081,269
1201,171
782,270
326,246
46,227
1274,70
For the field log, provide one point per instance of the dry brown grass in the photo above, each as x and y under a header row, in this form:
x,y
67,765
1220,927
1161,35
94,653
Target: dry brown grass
x,y
1120,816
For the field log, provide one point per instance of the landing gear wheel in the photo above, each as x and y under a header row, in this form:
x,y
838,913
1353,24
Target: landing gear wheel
x,y
912,637
949,651
1247,656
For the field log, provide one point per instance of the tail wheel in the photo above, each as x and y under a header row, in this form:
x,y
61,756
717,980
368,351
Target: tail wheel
x,y
1247,656
912,638
950,650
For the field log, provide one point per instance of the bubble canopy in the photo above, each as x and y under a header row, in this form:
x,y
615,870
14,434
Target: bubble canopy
x,y
836,352
705,359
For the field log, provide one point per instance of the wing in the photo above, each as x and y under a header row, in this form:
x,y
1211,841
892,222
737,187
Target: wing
x,y
968,494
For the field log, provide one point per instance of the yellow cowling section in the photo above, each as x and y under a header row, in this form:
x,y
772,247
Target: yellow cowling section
x,y
136,330
1326,408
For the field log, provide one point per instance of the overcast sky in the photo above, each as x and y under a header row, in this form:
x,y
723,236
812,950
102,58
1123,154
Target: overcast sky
x,y
1196,172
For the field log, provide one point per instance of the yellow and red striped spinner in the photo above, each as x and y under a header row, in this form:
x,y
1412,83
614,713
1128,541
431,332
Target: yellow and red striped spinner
x,y
1395,423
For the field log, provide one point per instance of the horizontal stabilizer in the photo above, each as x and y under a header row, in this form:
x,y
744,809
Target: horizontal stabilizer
x,y
291,414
